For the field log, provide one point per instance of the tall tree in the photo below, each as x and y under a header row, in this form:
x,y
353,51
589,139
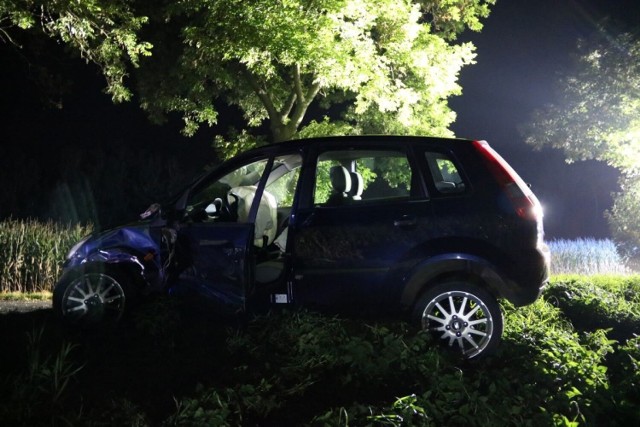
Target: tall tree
x,y
597,116
386,65
389,65
103,32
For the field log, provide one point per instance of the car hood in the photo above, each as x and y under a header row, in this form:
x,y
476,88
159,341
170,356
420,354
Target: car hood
x,y
138,238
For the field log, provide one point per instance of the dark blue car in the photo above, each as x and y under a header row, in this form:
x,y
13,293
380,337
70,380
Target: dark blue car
x,y
432,229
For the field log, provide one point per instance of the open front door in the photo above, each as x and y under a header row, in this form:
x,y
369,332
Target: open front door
x,y
218,262
216,245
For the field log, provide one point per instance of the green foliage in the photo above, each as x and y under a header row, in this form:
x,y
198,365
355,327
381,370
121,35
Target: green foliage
x,y
102,32
236,143
596,116
32,253
394,68
599,302
623,218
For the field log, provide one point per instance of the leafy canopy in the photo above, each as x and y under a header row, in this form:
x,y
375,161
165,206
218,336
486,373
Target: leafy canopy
x,y
104,32
365,65
597,115
390,64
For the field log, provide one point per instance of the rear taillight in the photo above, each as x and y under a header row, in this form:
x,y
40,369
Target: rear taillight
x,y
525,203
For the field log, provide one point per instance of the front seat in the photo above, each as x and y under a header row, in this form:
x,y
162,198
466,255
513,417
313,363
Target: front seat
x,y
266,219
340,185
265,228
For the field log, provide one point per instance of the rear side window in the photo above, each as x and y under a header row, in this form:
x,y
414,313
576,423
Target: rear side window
x,y
357,176
446,175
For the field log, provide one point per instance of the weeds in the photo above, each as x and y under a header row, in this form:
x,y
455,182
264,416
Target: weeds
x,y
38,395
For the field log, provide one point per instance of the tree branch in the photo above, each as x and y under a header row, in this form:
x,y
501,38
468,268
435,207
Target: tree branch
x,y
5,37
286,108
263,95
298,83
301,107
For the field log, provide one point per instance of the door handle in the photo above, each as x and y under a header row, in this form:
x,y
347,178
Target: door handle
x,y
405,221
216,242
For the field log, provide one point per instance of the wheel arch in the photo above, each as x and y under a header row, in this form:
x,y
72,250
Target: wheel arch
x,y
453,266
142,269
129,270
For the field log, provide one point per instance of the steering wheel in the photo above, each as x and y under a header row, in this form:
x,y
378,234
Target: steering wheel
x,y
230,209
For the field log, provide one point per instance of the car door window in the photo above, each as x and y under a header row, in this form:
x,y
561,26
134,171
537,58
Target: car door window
x,y
227,199
356,176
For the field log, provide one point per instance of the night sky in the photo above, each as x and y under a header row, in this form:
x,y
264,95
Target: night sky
x,y
523,47
521,50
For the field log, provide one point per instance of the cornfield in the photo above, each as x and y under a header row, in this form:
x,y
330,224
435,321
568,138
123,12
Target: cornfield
x,y
32,253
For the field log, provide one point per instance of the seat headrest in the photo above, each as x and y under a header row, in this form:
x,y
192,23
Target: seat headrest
x,y
357,186
340,179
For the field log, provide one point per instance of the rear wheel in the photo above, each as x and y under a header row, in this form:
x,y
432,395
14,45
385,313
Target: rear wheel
x,y
462,316
91,298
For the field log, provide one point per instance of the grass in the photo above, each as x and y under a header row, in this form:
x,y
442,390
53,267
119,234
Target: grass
x,y
26,296
586,256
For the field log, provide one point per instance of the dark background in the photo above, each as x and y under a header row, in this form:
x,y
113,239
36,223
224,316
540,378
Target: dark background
x,y
56,145
523,47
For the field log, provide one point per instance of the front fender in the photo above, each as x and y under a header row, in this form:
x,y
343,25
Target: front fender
x,y
135,248
454,263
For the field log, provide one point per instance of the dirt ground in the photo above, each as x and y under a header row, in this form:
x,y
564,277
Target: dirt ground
x,y
23,306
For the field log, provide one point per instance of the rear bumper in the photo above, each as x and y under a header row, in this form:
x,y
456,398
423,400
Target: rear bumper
x,y
530,279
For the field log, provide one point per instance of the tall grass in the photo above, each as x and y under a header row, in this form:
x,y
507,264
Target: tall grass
x,y
32,253
586,256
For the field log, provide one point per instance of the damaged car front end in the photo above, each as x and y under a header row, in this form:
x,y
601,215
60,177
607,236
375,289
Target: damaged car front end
x,y
109,271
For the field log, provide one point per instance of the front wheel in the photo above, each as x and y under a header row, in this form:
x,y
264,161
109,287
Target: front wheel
x,y
461,315
91,298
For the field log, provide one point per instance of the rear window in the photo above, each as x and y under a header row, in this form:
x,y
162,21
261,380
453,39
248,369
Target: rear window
x,y
446,175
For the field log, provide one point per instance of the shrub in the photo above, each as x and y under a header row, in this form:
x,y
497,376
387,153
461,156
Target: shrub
x,y
598,302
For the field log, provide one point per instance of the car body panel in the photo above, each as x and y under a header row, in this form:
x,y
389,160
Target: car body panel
x,y
215,264
344,255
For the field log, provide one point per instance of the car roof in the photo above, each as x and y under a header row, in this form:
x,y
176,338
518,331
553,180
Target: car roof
x,y
329,140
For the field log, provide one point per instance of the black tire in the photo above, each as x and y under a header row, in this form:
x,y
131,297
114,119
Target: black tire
x,y
92,297
462,316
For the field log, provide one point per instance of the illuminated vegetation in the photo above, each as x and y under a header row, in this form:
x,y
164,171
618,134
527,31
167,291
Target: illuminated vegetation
x,y
596,116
